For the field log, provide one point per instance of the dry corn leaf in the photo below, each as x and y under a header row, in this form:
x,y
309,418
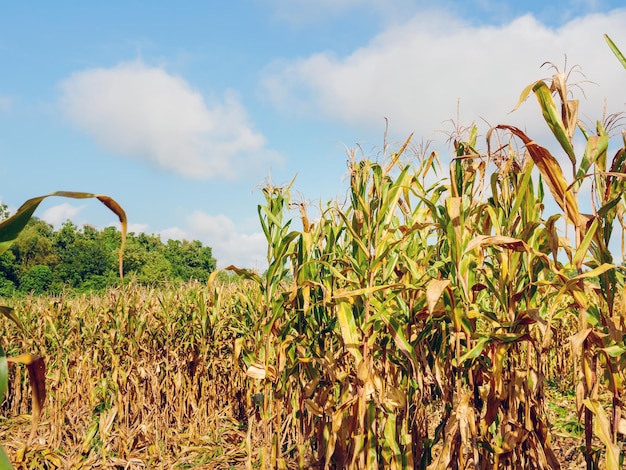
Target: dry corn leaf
x,y
256,371
553,174
602,429
37,376
434,291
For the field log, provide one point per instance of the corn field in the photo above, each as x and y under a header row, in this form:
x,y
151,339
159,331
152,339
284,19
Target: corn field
x,y
424,322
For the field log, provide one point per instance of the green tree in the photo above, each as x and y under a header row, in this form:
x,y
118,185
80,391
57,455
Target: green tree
x,y
190,260
4,212
8,269
37,280
84,262
34,246
157,269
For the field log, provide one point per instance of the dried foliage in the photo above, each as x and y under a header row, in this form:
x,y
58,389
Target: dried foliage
x,y
137,378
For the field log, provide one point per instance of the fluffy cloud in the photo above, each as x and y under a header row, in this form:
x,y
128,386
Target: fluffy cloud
x,y
146,113
229,244
59,214
415,73
134,228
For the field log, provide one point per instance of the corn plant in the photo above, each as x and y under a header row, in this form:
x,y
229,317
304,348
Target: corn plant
x,y
344,335
10,229
407,296
598,345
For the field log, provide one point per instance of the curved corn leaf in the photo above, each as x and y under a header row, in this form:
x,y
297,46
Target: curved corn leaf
x,y
400,339
552,172
37,377
10,314
10,228
245,273
595,151
604,267
434,291
602,429
472,353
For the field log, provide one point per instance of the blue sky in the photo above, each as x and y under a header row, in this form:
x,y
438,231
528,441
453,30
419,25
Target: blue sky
x,y
182,110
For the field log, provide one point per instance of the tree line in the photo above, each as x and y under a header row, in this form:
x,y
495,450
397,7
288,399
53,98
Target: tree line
x,y
44,260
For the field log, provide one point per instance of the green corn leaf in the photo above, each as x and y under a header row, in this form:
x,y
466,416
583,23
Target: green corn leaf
x,y
615,50
5,463
472,353
615,350
553,118
551,115
349,331
595,149
352,293
400,339
593,273
391,453
523,186
583,248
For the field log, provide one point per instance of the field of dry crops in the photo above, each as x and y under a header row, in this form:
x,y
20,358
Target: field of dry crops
x,y
466,318
145,378
136,378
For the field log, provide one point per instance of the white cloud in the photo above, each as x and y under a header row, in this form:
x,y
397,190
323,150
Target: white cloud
x,y
134,228
229,244
144,112
414,74
59,214
174,233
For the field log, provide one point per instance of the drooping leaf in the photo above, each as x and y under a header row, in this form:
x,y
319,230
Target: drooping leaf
x,y
553,174
511,243
434,291
10,314
256,371
245,273
37,376
11,227
602,429
577,341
